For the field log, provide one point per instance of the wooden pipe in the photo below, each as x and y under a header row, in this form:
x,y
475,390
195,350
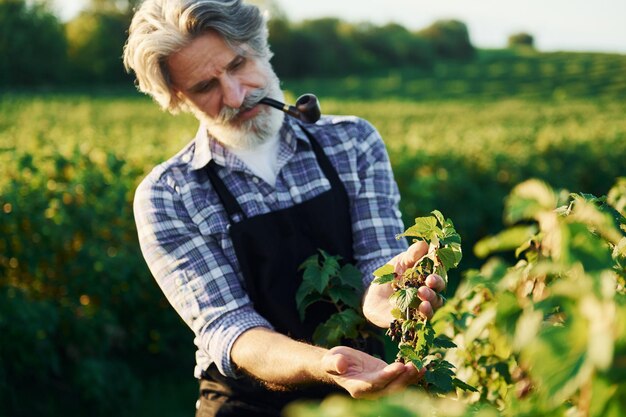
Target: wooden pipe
x,y
307,107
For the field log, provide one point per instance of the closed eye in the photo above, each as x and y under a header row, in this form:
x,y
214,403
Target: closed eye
x,y
237,63
204,86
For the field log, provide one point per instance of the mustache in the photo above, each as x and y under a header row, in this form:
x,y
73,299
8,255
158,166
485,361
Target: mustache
x,y
229,114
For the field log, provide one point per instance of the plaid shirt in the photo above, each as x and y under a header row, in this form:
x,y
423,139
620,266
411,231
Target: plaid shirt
x,y
183,228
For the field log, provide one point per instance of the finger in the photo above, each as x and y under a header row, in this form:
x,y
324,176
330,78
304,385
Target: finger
x,y
435,282
408,258
410,376
386,376
426,308
426,294
393,370
440,301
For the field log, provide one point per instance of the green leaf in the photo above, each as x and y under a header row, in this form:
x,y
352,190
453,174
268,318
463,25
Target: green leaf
x,y
351,276
425,338
404,298
462,385
578,244
310,262
561,352
345,295
410,355
450,235
305,296
408,352
444,342
339,326
424,228
507,240
306,302
384,279
305,289
529,199
330,268
384,270
439,217
396,313
440,377
448,257
508,313
313,277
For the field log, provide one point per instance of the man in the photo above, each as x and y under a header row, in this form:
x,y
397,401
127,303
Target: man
x,y
226,222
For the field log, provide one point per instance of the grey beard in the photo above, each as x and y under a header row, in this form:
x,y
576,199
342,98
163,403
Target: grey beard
x,y
250,133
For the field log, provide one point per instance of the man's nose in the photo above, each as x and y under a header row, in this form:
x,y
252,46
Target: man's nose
x,y
233,92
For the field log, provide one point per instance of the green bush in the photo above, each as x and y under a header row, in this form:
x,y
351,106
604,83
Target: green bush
x,y
332,47
543,337
521,39
78,307
80,315
95,42
32,45
450,39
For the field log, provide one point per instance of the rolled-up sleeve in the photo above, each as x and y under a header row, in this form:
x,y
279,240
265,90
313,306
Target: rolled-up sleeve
x,y
193,272
376,217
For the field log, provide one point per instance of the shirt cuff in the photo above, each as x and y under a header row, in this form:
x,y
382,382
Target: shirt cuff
x,y
224,333
368,267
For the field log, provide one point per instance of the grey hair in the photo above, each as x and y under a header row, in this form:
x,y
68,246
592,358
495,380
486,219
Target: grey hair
x,y
160,28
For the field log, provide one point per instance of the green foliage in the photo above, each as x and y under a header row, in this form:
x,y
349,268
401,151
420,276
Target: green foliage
x,y
450,39
521,39
95,42
32,44
416,338
302,49
462,157
543,337
490,74
77,303
326,280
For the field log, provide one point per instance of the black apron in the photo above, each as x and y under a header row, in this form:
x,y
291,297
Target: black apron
x,y
270,248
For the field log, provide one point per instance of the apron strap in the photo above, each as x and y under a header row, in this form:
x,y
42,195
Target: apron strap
x,y
229,201
327,168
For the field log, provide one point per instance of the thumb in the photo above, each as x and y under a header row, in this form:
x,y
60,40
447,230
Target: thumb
x,y
334,363
409,257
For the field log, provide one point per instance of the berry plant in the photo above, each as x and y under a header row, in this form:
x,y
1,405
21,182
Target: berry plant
x,y
326,280
542,335
411,330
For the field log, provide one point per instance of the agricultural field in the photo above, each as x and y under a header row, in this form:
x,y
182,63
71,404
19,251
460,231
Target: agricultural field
x,y
447,154
460,137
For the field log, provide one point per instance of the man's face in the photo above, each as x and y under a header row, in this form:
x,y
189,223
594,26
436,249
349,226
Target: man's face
x,y
222,87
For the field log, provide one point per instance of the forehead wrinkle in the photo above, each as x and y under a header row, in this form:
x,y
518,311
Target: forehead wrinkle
x,y
200,62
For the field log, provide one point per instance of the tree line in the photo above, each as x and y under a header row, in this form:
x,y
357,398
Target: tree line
x,y
38,49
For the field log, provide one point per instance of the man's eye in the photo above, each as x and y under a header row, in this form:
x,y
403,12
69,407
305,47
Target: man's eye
x,y
204,87
238,63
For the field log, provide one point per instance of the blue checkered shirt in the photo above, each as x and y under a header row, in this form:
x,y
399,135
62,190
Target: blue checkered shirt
x,y
183,228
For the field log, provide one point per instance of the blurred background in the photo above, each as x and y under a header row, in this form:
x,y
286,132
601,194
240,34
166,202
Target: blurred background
x,y
470,97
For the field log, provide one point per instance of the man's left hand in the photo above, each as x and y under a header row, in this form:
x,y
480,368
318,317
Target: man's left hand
x,y
376,305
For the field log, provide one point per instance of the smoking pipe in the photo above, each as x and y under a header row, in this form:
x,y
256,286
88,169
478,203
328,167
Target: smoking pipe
x,y
307,107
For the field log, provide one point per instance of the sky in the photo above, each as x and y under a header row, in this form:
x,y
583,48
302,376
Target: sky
x,y
572,25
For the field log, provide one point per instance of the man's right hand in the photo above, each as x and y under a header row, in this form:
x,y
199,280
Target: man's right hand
x,y
365,376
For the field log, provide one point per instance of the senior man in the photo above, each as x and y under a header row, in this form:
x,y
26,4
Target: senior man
x,y
225,223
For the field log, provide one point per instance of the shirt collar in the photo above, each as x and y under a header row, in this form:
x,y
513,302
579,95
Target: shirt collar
x,y
207,148
202,152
